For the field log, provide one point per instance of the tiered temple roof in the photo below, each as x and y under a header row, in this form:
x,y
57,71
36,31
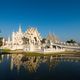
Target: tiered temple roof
x,y
52,38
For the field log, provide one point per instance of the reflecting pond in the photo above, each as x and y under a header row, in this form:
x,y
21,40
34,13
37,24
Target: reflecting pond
x,y
23,67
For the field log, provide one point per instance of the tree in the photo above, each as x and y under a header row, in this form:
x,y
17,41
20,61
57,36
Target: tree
x,y
43,41
71,41
1,41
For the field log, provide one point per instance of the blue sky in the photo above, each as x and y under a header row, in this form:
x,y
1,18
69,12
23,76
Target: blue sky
x,y
61,17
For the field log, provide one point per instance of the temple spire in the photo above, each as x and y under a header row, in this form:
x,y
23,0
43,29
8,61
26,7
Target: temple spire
x,y
20,30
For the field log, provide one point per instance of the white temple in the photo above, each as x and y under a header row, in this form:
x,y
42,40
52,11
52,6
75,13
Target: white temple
x,y
30,40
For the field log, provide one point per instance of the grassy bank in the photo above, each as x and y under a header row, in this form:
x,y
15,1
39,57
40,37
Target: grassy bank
x,y
7,51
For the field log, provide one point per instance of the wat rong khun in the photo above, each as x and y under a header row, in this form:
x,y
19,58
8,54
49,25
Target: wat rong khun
x,y
31,41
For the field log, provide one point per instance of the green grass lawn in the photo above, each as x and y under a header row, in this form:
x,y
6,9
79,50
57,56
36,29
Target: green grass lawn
x,y
7,51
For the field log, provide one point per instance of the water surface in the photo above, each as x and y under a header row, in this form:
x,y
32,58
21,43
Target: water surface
x,y
23,67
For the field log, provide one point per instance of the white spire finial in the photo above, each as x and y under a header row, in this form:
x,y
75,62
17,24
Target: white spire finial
x,y
20,30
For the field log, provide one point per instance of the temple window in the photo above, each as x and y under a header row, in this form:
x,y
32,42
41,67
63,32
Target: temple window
x,y
35,39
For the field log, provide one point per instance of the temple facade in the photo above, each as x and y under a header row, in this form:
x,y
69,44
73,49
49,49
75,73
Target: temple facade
x,y
16,41
31,40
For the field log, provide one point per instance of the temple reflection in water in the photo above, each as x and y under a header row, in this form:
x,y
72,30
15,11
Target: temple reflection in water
x,y
33,63
42,67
